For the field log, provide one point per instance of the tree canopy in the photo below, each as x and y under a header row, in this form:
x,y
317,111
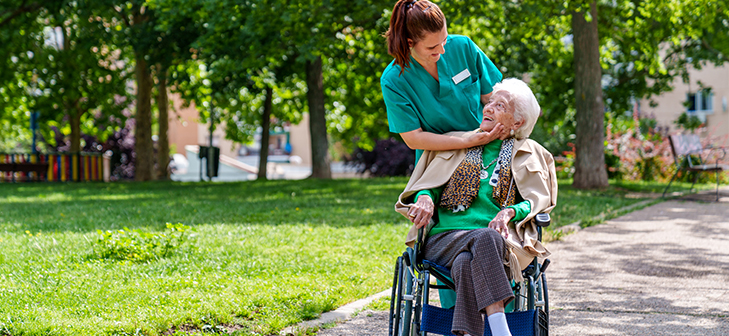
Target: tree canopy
x,y
67,67
251,65
643,46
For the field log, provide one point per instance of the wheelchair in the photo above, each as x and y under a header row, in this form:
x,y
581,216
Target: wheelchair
x,y
411,314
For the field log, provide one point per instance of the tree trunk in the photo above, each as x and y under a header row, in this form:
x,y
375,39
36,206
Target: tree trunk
x,y
265,134
143,146
74,119
163,143
590,171
317,120
72,105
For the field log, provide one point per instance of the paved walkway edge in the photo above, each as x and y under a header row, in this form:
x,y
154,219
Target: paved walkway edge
x,y
577,226
341,314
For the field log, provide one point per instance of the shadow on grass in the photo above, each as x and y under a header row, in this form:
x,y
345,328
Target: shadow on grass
x,y
102,206
84,207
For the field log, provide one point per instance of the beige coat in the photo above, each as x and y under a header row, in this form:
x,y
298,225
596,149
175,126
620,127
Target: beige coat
x,y
534,173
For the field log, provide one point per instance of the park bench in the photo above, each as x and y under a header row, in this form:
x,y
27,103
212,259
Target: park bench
x,y
24,167
688,153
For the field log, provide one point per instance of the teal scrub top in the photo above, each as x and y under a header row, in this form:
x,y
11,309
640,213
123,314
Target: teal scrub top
x,y
416,100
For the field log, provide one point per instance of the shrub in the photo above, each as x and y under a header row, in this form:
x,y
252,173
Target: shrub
x,y
689,123
643,153
389,158
139,246
565,164
641,158
612,161
120,143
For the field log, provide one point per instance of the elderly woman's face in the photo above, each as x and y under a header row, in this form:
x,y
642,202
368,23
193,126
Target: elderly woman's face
x,y
499,110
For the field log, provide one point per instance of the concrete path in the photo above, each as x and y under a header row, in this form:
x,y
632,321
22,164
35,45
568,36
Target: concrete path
x,y
663,270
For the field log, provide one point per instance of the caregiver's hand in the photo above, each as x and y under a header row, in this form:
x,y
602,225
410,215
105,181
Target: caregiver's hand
x,y
501,221
421,212
482,138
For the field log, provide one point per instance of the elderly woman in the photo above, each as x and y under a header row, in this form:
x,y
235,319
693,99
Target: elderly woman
x,y
486,197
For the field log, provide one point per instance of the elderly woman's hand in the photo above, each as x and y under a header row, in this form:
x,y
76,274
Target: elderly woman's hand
x,y
501,221
421,212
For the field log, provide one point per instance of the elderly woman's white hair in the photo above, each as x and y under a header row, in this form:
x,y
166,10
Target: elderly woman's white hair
x,y
526,107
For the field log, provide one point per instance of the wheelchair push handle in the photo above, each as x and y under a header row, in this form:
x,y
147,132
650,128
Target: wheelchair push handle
x,y
543,219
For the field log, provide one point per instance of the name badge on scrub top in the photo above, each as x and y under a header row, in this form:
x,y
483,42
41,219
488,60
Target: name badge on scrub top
x,y
461,76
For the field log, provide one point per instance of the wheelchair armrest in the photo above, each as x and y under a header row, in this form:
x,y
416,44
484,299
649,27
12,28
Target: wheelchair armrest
x,y
419,241
542,219
418,247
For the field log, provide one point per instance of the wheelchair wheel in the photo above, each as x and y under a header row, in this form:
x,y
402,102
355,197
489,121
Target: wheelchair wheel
x,y
545,294
395,308
532,294
520,295
541,303
401,300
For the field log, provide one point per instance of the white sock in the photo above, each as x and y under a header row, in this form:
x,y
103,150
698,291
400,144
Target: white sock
x,y
497,323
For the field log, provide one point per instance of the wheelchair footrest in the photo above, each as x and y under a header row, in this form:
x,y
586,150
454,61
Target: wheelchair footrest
x,y
436,320
524,323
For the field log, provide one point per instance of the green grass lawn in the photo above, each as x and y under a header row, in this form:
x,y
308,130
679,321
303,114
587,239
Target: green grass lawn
x,y
258,256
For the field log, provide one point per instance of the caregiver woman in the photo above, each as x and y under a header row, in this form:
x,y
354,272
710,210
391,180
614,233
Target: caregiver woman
x,y
437,83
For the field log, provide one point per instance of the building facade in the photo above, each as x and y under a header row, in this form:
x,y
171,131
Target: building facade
x,y
186,128
704,96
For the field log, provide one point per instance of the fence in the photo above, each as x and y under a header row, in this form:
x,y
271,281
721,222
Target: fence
x,y
62,167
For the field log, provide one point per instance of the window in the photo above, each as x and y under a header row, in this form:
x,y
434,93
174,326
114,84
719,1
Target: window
x,y
700,104
691,106
706,102
700,101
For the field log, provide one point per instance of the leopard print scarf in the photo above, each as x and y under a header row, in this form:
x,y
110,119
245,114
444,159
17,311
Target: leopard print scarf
x,y
502,192
462,188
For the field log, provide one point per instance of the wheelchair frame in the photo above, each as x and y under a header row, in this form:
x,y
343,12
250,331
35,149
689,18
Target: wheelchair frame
x,y
411,288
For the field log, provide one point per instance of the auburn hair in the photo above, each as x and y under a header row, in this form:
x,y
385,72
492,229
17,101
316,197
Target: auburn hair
x,y
411,20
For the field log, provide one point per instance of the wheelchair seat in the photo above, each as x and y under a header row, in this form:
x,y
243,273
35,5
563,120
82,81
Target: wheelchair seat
x,y
440,269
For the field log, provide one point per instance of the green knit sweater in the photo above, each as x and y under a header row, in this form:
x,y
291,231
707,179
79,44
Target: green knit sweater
x,y
484,207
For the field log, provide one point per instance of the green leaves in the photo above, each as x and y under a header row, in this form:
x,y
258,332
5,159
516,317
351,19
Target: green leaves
x,y
644,46
246,46
67,63
265,43
139,246
689,123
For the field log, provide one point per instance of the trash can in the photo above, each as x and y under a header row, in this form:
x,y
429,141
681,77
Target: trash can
x,y
203,154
